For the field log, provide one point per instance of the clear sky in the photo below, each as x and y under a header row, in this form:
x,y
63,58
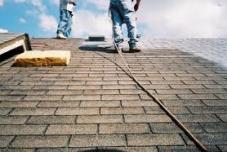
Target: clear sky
x,y
156,18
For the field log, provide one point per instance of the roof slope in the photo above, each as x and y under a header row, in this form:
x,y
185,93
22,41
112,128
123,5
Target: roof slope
x,y
92,103
10,41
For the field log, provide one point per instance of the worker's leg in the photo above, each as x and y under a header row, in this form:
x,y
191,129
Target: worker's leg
x,y
68,28
117,23
63,22
130,20
132,30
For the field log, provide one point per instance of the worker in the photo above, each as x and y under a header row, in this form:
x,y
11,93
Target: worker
x,y
65,22
123,11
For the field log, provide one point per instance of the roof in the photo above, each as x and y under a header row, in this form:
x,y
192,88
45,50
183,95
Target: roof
x,y
93,104
10,41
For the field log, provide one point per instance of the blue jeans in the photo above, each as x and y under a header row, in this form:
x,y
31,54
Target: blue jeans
x,y
122,11
65,23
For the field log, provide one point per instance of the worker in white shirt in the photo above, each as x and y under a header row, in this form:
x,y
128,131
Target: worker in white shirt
x,y
65,22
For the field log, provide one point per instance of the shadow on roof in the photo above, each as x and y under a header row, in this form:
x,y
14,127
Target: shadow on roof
x,y
8,56
98,47
106,49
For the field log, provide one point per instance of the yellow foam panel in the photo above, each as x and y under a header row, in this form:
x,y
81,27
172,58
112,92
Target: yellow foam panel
x,y
43,58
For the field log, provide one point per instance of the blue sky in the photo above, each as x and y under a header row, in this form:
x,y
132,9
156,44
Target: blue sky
x,y
162,18
15,17
24,15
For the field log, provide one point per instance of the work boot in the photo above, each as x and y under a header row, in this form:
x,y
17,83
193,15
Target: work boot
x,y
133,48
61,36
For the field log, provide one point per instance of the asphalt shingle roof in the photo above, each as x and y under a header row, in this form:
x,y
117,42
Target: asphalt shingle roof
x,y
93,104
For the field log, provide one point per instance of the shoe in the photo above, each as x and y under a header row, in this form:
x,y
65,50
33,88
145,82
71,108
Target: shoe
x,y
133,48
61,36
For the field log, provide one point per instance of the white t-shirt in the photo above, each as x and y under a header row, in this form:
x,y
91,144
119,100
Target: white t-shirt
x,y
64,4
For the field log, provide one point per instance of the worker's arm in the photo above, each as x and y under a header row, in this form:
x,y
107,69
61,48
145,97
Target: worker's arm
x,y
136,7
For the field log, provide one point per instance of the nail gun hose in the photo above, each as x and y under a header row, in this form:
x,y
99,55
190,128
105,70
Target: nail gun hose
x,y
173,117
198,144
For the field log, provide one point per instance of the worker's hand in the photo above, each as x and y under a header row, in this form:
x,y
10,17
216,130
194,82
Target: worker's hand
x,y
71,2
136,7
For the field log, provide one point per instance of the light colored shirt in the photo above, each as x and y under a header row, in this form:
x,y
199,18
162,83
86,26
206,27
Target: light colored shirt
x,y
65,4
